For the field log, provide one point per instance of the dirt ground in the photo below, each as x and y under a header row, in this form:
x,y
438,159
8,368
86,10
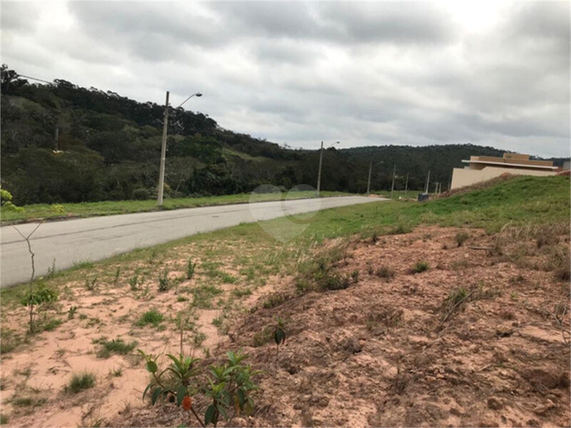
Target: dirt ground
x,y
479,338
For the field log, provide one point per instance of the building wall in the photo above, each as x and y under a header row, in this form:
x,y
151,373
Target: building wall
x,y
465,177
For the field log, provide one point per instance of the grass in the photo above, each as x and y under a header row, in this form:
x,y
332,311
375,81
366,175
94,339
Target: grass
x,y
80,382
91,209
115,346
152,316
420,266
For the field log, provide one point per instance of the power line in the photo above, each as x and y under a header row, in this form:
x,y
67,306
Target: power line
x,y
35,78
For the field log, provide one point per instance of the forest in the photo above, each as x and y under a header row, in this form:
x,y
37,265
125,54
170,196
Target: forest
x,y
64,143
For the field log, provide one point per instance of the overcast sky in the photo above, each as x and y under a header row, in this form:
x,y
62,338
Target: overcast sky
x,y
362,73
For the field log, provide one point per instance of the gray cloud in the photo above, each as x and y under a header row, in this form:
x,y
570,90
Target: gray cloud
x,y
363,73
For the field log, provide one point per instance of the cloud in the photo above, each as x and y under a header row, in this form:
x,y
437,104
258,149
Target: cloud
x,y
362,73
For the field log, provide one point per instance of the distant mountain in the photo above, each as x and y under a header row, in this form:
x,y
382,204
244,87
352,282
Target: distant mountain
x,y
64,143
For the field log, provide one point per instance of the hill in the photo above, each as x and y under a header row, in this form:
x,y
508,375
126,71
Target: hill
x,y
64,143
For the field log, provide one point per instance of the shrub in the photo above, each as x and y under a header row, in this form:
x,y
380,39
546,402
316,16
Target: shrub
x,y
141,194
81,381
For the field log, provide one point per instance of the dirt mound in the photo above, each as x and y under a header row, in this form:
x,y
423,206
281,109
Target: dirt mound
x,y
432,333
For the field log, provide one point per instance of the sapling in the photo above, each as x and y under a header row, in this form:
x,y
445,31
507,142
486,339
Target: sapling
x,y
32,255
279,336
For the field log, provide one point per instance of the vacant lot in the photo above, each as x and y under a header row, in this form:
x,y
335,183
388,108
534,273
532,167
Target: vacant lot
x,y
384,307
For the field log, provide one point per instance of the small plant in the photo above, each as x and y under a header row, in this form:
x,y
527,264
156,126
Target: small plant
x,y
118,372
117,274
190,268
134,283
164,281
80,381
198,339
91,283
279,335
273,300
71,312
386,272
57,208
52,269
152,316
42,294
461,237
420,266
263,336
355,276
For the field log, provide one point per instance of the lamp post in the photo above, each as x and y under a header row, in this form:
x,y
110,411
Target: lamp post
x,y
164,147
320,163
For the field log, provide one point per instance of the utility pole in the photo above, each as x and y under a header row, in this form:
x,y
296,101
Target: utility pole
x,y
427,182
406,185
163,154
369,180
393,185
319,172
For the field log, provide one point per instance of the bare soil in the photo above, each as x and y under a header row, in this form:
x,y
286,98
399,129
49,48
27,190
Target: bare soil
x,y
481,338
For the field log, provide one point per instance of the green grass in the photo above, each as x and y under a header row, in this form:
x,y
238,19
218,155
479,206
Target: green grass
x,y
115,346
90,209
152,317
80,381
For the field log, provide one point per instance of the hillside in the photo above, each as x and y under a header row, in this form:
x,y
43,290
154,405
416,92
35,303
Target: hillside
x,y
107,147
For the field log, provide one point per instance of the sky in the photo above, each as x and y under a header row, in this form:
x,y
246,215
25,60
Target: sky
x,y
369,73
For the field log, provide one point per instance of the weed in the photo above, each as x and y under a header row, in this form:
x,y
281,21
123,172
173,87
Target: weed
x,y
49,324
27,401
198,339
117,274
80,381
263,336
164,281
82,316
52,269
461,237
134,283
202,296
152,316
355,276
118,372
240,292
274,299
386,272
71,312
182,299
400,229
420,266
91,284
3,419
115,346
387,318
190,268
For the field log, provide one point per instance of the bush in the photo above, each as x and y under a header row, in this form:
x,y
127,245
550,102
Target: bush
x,y
141,194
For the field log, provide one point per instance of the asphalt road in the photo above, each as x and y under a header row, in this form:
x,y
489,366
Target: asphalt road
x,y
97,238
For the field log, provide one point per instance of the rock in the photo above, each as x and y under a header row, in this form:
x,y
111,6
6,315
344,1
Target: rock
x,y
350,344
494,403
542,409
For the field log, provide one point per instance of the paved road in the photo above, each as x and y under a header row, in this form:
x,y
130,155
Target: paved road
x,y
98,238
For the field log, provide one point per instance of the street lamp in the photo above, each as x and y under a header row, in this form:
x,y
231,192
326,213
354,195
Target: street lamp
x,y
320,163
164,147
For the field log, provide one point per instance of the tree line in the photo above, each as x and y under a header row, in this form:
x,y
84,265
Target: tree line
x,y
64,143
